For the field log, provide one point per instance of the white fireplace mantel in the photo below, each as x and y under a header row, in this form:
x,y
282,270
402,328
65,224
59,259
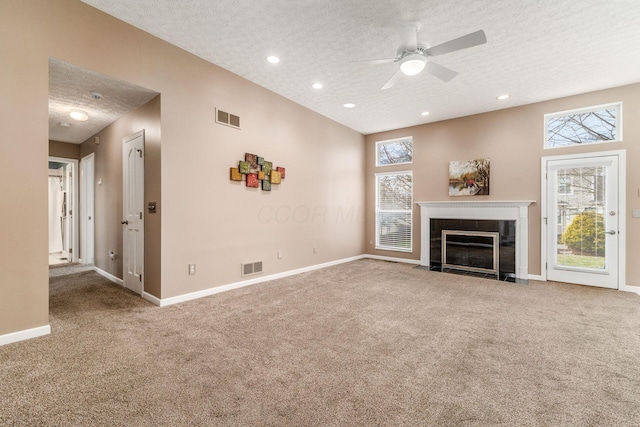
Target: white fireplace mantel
x,y
512,210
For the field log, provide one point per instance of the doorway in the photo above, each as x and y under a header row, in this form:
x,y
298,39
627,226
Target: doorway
x,y
63,208
584,219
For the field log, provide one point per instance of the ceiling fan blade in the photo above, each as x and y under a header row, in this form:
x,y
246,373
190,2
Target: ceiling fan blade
x,y
392,80
375,61
408,34
470,40
443,73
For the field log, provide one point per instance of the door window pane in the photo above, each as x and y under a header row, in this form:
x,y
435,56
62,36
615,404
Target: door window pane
x,y
581,217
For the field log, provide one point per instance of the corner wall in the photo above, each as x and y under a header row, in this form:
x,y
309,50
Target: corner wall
x,y
108,192
513,140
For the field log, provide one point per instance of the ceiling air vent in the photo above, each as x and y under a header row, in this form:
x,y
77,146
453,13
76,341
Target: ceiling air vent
x,y
228,119
251,268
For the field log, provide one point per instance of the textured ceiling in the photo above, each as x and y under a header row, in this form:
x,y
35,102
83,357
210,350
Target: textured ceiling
x,y
70,88
536,50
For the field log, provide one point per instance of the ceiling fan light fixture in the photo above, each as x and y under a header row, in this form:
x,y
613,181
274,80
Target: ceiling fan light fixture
x,y
412,64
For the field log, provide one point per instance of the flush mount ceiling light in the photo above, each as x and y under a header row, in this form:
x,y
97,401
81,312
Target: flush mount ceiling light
x,y
78,115
501,97
349,105
413,64
273,59
317,86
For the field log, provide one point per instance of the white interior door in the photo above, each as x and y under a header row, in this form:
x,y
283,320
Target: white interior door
x,y
87,207
584,220
133,211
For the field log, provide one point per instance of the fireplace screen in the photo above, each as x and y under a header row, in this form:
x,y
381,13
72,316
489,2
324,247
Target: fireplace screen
x,y
476,251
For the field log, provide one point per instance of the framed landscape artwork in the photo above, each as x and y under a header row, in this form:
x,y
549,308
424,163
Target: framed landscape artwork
x,y
469,178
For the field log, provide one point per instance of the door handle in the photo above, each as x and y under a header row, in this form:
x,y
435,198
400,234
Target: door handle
x,y
125,222
612,232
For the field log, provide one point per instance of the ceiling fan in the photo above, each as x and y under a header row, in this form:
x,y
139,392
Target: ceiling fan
x,y
413,57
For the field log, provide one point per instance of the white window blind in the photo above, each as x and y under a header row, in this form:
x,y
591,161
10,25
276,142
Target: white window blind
x,y
394,211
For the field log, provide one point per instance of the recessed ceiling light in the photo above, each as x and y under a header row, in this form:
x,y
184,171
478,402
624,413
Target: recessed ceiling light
x,y
317,85
64,124
425,113
78,115
273,59
349,105
501,97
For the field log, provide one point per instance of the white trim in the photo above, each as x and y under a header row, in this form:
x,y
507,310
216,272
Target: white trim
x,y
152,299
109,276
25,335
212,291
393,259
622,209
635,289
512,210
536,277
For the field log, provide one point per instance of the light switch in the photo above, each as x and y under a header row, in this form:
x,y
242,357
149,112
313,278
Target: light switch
x,y
635,213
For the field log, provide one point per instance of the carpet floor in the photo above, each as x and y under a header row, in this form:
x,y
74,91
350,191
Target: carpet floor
x,y
367,343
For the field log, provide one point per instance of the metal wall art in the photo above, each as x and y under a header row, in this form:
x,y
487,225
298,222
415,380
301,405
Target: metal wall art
x,y
257,172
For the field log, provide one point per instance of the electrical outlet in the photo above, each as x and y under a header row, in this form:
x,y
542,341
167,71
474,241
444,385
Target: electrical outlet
x,y
279,254
635,213
192,269
371,242
315,250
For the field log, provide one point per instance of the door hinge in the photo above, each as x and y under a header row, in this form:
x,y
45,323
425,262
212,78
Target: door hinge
x,y
546,265
140,215
140,277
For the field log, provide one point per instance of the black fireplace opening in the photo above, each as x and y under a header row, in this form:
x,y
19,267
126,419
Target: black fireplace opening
x,y
479,247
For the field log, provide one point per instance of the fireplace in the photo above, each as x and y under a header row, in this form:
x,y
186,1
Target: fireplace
x,y
474,251
475,230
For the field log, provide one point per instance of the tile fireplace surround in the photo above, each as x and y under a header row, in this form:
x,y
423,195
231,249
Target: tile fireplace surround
x,y
517,211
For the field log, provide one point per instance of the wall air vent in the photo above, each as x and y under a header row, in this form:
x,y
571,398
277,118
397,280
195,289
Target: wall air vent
x,y
227,119
251,268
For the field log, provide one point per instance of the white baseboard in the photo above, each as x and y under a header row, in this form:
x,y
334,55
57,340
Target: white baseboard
x,y
635,289
536,277
109,276
392,259
25,335
212,291
152,299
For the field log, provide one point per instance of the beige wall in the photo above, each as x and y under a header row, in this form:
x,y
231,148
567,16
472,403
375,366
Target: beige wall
x,y
108,191
64,150
513,140
205,218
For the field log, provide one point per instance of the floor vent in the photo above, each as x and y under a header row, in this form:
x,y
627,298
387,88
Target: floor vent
x,y
251,268
228,119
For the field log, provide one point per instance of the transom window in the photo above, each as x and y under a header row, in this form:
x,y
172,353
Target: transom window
x,y
394,211
602,123
394,151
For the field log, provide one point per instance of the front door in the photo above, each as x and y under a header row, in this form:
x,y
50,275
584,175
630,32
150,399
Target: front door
x,y
133,211
583,220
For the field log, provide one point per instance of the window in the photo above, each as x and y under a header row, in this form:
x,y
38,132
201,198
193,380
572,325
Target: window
x,y
394,211
394,151
590,125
